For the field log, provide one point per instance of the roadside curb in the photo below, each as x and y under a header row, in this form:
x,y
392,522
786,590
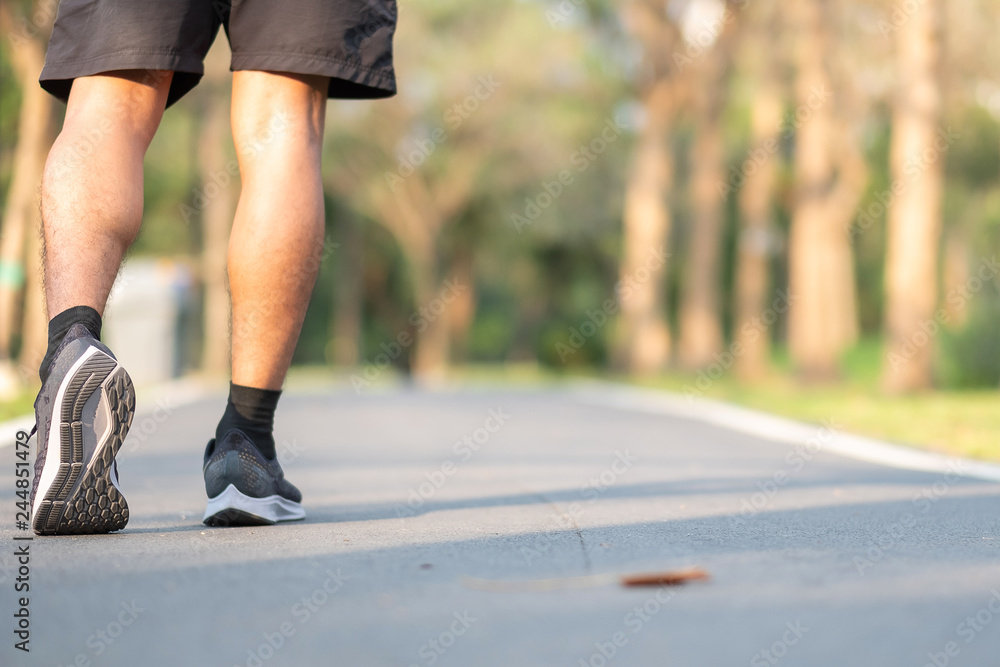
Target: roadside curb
x,y
780,429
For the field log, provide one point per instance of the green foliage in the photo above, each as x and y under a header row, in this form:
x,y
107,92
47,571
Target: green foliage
x,y
969,358
974,159
869,231
171,180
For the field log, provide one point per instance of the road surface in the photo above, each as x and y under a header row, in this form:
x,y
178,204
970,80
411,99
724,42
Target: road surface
x,y
816,559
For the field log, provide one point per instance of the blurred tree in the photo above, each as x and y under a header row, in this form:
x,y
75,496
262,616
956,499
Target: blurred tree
x,y
970,109
461,272
700,317
642,341
850,106
761,55
455,132
34,323
830,177
915,214
345,327
955,275
27,37
219,191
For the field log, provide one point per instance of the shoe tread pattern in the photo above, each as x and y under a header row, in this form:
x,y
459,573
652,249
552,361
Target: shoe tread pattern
x,y
86,502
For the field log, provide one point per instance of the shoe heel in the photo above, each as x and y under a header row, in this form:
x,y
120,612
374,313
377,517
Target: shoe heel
x,y
85,498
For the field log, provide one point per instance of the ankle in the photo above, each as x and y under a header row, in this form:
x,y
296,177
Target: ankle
x,y
60,325
251,411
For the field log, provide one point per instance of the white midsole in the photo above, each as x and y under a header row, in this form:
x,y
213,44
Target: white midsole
x,y
53,455
272,508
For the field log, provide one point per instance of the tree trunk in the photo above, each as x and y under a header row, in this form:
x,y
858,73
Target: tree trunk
x,y
914,224
820,276
36,133
643,338
700,317
345,329
956,274
34,327
416,224
462,312
217,212
752,325
432,301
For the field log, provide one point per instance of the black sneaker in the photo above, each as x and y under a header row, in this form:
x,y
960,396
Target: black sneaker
x,y
244,488
82,414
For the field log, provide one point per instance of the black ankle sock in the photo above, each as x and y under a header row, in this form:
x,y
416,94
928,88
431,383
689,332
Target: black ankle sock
x,y
251,411
60,324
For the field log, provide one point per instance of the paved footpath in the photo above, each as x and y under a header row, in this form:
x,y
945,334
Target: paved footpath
x,y
816,559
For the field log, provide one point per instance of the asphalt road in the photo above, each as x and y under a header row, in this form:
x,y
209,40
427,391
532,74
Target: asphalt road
x,y
816,559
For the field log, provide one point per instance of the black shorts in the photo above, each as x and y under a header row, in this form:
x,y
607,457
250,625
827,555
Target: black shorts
x,y
347,40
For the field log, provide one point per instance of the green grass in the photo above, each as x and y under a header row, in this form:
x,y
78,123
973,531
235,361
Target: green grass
x,y
19,405
957,423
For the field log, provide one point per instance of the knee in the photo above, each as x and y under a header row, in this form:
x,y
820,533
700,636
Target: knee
x,y
277,116
275,133
127,104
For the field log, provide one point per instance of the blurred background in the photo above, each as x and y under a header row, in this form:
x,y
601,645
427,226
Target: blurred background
x,y
793,206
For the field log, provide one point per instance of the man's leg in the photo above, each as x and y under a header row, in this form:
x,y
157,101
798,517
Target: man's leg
x,y
278,130
277,236
91,211
92,187
92,193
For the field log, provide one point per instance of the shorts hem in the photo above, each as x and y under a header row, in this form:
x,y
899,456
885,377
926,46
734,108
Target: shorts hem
x,y
347,81
57,77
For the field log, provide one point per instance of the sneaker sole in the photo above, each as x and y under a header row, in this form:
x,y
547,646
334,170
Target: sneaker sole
x,y
78,487
233,508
